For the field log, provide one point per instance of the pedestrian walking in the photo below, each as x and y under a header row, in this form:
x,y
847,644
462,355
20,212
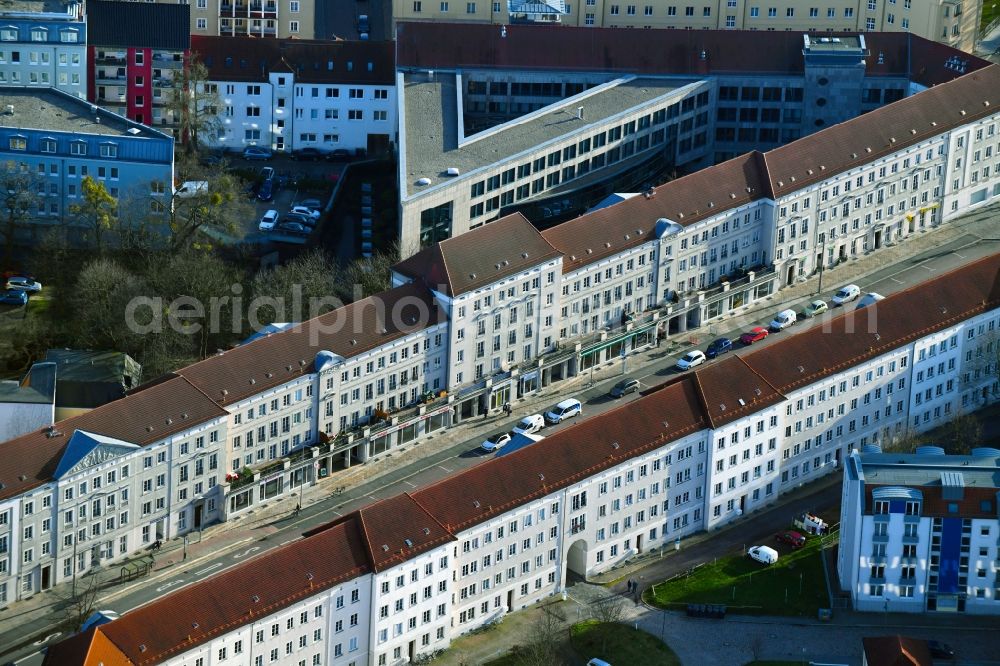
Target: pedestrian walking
x,y
507,409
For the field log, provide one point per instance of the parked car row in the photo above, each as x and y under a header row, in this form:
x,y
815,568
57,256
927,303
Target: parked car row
x,y
300,220
302,154
529,425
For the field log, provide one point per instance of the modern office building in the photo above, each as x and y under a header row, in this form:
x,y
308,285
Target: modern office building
x,y
59,139
135,54
950,22
403,576
289,94
920,532
43,45
548,121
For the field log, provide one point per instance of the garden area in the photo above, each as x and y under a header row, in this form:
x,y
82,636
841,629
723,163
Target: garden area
x,y
794,585
620,644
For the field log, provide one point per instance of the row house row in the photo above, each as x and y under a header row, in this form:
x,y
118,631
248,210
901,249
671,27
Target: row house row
x,y
404,576
478,320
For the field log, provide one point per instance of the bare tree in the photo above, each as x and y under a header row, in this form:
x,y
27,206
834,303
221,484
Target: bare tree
x,y
374,274
216,212
195,103
79,601
962,434
19,198
607,611
545,636
904,441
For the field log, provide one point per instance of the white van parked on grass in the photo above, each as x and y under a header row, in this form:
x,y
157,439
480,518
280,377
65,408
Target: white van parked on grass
x,y
763,554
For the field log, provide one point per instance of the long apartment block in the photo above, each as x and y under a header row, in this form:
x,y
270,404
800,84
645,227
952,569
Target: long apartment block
x,y
499,313
402,577
546,121
950,22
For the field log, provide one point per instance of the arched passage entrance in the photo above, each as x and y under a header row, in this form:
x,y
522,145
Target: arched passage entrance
x,y
576,558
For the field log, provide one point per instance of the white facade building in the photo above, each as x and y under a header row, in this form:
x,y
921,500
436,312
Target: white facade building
x,y
448,558
291,94
921,532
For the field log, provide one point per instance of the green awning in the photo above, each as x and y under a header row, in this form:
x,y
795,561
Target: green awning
x,y
604,344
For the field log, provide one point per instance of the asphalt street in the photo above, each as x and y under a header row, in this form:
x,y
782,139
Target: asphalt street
x,y
237,546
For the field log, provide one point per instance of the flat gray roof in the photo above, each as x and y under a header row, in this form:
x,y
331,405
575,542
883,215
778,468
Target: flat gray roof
x,y
432,115
34,7
916,470
56,111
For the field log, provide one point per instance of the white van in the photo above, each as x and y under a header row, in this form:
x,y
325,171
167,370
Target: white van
x,y
846,294
763,554
868,299
783,320
189,188
566,409
529,424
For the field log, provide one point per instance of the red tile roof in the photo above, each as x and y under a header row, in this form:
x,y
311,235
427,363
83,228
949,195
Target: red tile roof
x,y
553,47
264,585
883,131
89,648
607,231
141,418
341,61
972,504
896,651
432,515
470,261
347,331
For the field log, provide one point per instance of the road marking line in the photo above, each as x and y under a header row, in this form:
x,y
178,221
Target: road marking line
x,y
960,256
285,543
412,485
929,268
207,569
373,497
897,281
444,468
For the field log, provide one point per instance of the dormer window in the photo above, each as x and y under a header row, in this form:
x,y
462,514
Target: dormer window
x,y
48,145
8,34
78,148
39,34
109,150
18,143
69,36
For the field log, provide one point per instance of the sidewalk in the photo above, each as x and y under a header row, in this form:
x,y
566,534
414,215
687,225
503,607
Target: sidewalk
x,y
363,480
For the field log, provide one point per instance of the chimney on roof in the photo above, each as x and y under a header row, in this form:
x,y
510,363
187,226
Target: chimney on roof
x,y
579,112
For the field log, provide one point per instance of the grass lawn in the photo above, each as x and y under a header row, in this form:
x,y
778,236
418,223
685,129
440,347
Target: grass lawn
x,y
991,10
745,586
624,645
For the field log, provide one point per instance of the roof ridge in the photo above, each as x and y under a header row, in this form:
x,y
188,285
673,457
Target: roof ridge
x,y
365,540
760,376
702,400
427,511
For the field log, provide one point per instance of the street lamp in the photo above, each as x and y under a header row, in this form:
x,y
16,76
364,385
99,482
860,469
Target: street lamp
x,y
185,546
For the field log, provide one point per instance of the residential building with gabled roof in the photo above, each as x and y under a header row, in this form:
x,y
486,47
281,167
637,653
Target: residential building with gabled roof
x,y
288,94
44,45
416,570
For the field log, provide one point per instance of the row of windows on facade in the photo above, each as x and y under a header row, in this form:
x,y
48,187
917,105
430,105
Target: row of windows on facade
x,y
242,24
329,92
50,145
39,34
40,58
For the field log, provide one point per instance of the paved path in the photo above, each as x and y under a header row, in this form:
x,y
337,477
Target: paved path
x,y
271,524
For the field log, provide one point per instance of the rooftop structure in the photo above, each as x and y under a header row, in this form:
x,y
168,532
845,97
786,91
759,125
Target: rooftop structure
x,y
54,111
437,142
126,24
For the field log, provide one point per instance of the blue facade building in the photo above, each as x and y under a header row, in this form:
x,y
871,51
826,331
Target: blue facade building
x,y
43,44
61,139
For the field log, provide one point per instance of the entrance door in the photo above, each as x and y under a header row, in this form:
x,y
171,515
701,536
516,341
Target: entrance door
x,y
638,545
510,601
500,397
743,505
791,275
197,516
412,650
46,576
878,239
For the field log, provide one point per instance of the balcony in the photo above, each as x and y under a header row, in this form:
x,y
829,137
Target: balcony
x,y
173,61
110,59
107,78
263,8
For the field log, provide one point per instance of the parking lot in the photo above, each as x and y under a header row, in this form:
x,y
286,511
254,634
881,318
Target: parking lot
x,y
297,181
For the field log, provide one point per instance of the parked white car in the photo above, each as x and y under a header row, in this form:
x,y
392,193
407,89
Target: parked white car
x,y
566,409
496,442
530,424
303,210
869,299
690,360
268,220
846,294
